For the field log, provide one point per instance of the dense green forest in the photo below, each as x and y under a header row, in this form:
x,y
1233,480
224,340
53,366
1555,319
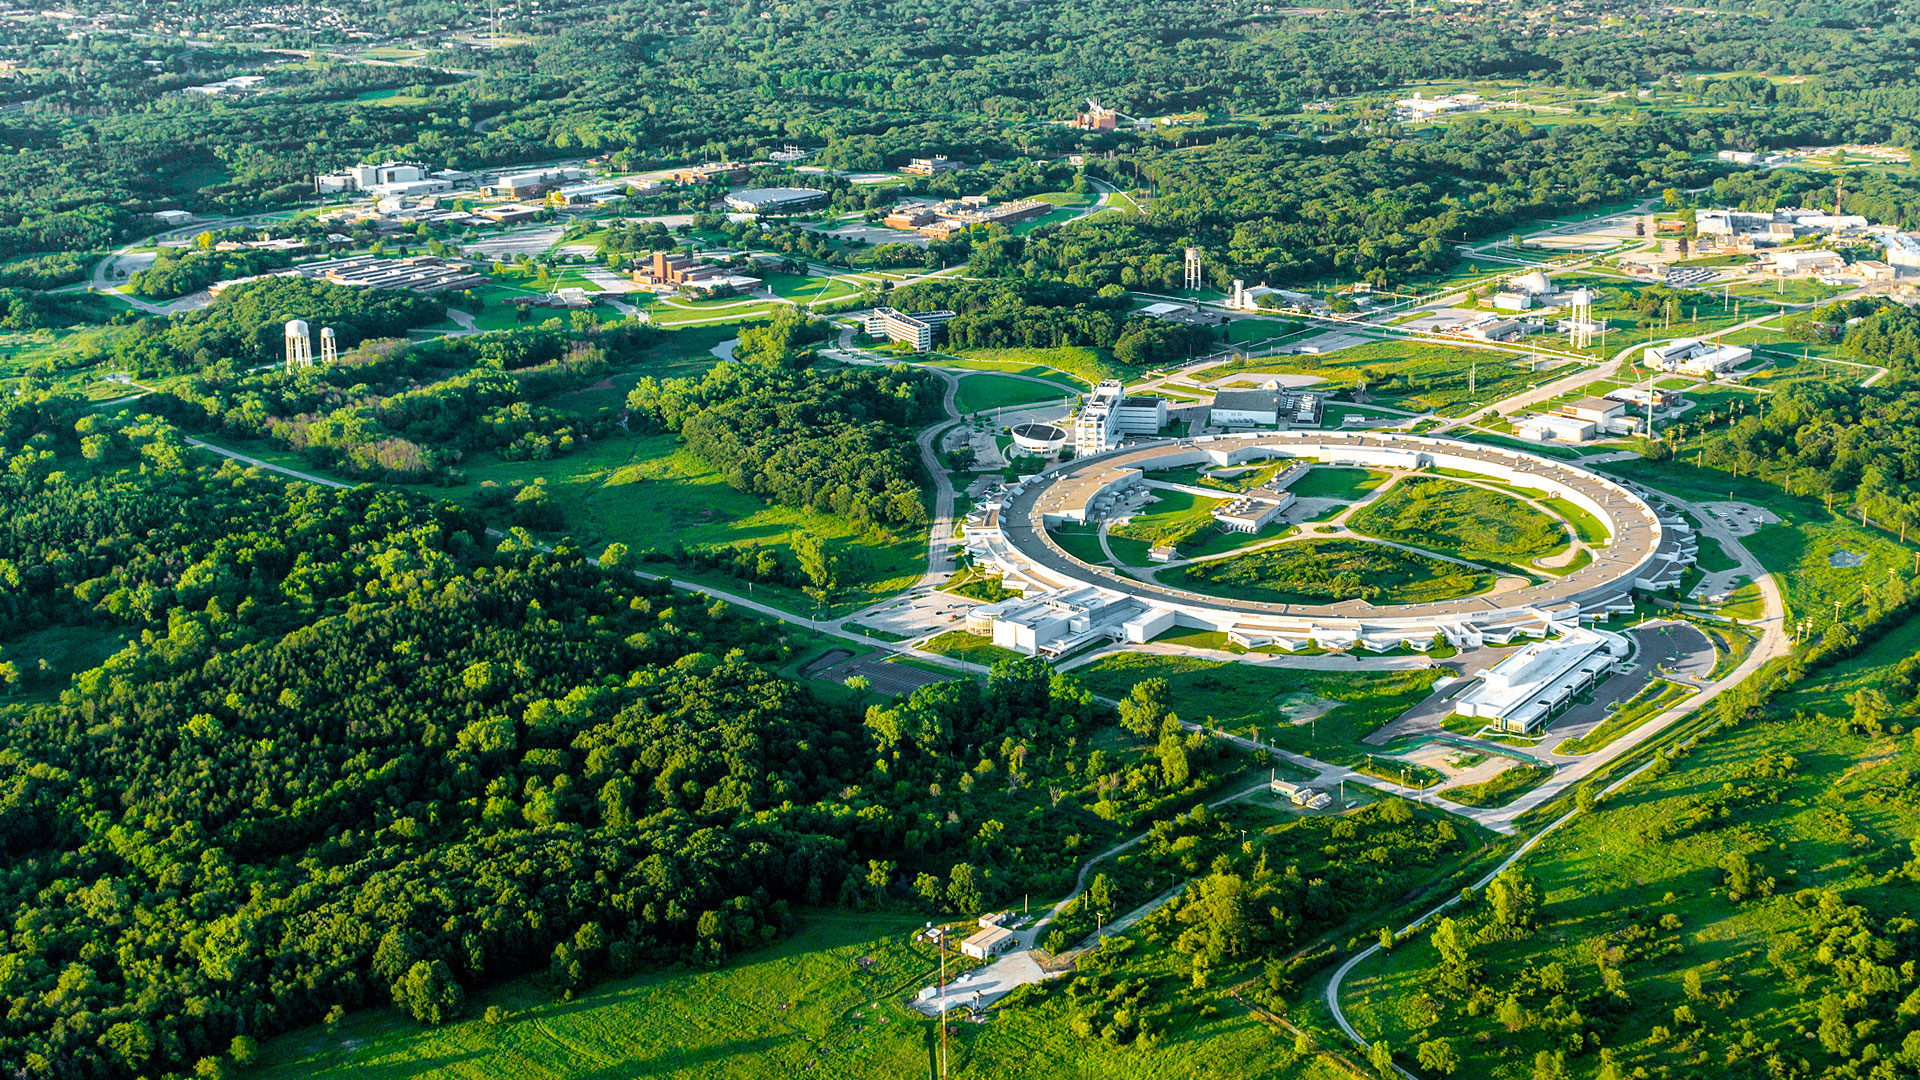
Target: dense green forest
x,y
354,752
834,438
104,134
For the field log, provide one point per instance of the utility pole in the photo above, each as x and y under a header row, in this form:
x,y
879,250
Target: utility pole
x,y
943,1004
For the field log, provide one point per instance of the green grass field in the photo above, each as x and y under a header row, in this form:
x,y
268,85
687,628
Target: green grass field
x,y
804,1007
1079,541
1336,482
981,392
1174,518
1081,366
1505,786
1461,520
1238,697
647,493
1418,376
1330,570
962,645
682,353
1662,905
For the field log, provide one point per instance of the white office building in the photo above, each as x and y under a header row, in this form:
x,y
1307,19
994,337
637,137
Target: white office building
x,y
1059,622
385,179
1109,415
915,330
1803,262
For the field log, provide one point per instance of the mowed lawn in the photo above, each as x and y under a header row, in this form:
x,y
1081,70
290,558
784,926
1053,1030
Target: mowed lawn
x,y
980,392
1336,482
648,493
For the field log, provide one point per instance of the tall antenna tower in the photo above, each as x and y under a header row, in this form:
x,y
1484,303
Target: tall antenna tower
x,y
1193,268
299,345
329,349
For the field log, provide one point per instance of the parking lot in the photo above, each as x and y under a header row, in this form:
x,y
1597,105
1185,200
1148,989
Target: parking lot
x,y
885,677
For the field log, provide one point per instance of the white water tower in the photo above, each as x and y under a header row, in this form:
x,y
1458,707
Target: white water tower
x,y
299,344
329,349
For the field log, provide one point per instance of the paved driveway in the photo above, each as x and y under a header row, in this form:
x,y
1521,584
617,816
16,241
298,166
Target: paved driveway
x,y
1675,647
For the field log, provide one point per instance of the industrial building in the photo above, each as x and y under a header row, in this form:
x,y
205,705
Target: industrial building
x,y
1750,157
1502,329
1579,421
671,271
930,166
1097,117
1247,298
1055,623
1552,427
1265,408
1690,356
1252,512
958,215
1760,227
1641,397
421,273
1109,415
590,194
909,216
172,218
1299,794
724,172
1802,262
1421,107
523,185
779,200
915,331
989,943
1529,686
388,178
1903,251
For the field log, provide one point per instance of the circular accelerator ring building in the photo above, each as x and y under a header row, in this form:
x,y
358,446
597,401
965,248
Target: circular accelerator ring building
x,y
1067,603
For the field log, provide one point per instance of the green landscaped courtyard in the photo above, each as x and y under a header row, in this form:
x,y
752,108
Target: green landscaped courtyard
x,y
1327,571
1462,520
1337,482
1174,518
